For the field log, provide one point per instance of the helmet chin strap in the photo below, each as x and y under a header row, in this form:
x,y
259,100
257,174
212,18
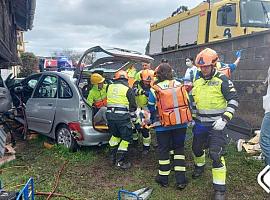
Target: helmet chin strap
x,y
213,70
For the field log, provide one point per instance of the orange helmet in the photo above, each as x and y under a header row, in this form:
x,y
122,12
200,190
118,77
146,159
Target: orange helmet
x,y
206,57
147,75
121,74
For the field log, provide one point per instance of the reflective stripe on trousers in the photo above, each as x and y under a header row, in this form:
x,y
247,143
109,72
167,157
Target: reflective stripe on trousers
x,y
114,141
164,167
200,161
219,175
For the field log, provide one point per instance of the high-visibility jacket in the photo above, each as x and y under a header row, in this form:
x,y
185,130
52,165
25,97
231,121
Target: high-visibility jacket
x,y
121,101
172,103
214,98
131,72
97,97
117,96
131,75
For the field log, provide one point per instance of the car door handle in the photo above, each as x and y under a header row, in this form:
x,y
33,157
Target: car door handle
x,y
50,104
216,36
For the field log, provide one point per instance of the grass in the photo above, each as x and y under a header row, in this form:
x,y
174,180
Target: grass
x,y
88,175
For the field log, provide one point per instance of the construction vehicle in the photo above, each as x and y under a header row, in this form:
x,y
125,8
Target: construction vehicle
x,y
209,21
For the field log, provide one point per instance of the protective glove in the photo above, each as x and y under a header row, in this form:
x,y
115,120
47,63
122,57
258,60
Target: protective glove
x,y
219,124
238,54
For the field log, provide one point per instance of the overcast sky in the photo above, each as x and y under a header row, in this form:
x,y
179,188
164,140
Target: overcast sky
x,y
81,24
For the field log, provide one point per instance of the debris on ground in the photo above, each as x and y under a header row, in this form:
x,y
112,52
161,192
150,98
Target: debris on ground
x,y
143,194
9,155
251,146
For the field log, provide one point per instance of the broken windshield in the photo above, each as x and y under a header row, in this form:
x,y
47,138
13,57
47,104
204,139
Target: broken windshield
x,y
255,13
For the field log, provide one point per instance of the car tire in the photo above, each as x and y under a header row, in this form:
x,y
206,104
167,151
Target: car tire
x,y
64,137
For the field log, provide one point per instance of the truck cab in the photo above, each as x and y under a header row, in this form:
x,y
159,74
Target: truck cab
x,y
209,21
231,18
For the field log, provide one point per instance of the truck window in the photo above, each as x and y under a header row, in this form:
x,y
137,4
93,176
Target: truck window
x,y
255,13
226,15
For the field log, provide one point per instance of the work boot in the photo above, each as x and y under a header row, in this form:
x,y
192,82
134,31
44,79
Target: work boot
x,y
198,171
161,181
218,195
181,180
182,185
112,157
122,161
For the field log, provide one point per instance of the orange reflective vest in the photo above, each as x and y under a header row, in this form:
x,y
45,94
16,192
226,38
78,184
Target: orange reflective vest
x,y
226,71
172,103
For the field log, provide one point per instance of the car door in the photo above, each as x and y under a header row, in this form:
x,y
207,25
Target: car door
x,y
41,107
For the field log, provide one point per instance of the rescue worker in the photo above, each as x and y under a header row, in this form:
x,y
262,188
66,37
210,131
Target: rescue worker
x,y
231,66
97,98
120,112
142,89
215,101
131,72
225,68
144,66
169,133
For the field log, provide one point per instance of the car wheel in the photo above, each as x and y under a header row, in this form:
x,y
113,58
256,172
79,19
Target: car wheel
x,y
64,137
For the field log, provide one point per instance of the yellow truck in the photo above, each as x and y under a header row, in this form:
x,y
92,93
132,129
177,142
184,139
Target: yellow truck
x,y
209,21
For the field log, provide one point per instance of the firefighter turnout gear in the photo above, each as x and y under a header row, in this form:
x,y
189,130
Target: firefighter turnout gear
x,y
215,102
170,137
214,98
121,107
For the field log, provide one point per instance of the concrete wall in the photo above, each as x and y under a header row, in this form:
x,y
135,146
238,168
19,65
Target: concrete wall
x,y
248,76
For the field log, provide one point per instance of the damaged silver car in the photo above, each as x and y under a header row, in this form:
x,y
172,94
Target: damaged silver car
x,y
56,103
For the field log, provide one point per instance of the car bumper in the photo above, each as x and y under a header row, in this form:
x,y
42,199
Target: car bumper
x,y
91,137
